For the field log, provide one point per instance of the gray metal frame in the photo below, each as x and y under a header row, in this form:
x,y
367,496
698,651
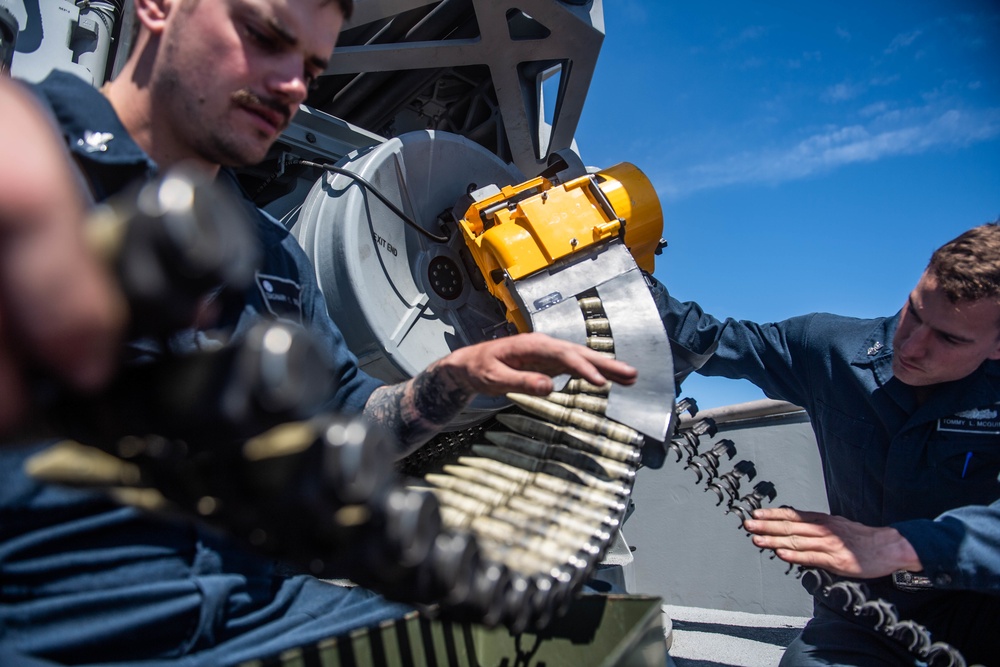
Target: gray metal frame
x,y
518,63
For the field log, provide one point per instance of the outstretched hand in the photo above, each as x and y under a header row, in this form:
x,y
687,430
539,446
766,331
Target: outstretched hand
x,y
413,411
833,543
525,364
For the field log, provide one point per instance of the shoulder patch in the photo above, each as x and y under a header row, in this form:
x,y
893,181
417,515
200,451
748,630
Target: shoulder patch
x,y
283,297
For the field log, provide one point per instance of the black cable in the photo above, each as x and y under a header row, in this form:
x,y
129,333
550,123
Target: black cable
x,y
381,197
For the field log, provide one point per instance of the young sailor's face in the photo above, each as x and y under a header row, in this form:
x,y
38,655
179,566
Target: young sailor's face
x,y
940,341
231,73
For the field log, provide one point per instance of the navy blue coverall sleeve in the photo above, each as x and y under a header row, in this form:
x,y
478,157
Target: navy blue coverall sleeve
x,y
887,461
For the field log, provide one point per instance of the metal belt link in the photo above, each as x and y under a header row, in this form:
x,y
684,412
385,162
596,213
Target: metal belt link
x,y
543,487
849,595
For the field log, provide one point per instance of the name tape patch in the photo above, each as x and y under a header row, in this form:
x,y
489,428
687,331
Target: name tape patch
x,y
980,420
283,297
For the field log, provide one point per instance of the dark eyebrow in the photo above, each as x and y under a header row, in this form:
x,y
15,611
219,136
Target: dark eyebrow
x,y
290,40
320,63
956,337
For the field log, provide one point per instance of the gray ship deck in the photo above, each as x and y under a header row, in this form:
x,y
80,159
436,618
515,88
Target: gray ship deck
x,y
715,638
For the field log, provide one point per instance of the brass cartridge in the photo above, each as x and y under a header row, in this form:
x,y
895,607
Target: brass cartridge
x,y
570,539
556,469
578,418
602,467
550,487
598,326
599,524
601,343
478,492
581,386
598,405
573,437
591,306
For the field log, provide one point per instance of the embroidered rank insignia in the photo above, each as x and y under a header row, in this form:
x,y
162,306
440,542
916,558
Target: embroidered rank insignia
x,y
95,142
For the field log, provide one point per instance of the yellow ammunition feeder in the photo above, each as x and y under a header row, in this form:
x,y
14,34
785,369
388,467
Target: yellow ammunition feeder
x,y
529,227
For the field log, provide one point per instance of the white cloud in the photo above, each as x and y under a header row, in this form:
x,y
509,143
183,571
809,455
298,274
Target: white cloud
x,y
748,34
884,80
841,92
909,132
875,109
902,40
752,33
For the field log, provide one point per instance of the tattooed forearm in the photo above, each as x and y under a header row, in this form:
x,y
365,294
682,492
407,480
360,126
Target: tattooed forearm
x,y
438,396
414,411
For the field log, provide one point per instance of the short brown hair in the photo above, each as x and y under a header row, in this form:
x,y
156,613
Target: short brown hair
x,y
346,8
968,267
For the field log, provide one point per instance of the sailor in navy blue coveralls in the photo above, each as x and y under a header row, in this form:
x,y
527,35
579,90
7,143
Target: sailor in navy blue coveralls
x,y
929,469
83,580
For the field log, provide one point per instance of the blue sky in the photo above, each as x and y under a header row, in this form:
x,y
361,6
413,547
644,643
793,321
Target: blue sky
x,y
808,156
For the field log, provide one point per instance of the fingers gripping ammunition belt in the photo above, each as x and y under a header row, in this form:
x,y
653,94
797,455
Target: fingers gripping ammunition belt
x,y
543,491
567,260
505,532
547,489
849,595
520,508
544,487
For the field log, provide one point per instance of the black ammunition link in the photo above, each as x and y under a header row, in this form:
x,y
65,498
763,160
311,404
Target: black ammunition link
x,y
848,595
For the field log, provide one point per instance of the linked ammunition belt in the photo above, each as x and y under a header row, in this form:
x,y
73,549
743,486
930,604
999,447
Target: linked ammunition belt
x,y
854,597
543,491
508,521
505,531
520,510
851,596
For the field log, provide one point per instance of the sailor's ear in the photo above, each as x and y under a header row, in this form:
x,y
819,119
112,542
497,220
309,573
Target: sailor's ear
x,y
152,14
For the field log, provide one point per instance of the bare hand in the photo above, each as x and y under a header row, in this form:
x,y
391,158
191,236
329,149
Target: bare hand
x,y
525,363
415,410
59,310
833,543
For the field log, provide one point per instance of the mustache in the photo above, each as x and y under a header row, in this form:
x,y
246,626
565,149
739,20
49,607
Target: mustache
x,y
247,97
